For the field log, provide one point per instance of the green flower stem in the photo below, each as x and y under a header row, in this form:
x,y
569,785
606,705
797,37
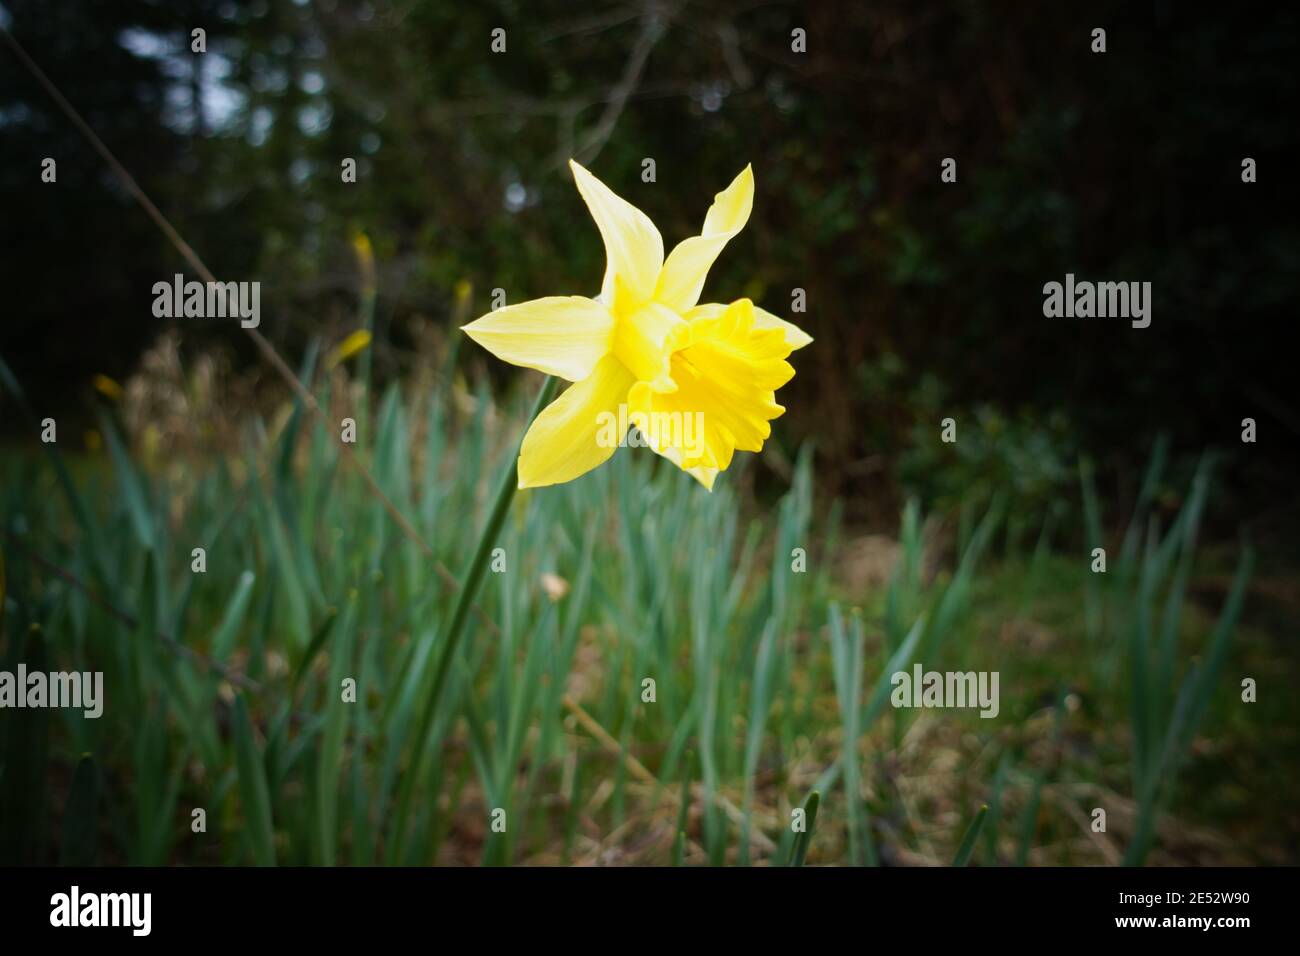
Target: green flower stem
x,y
464,601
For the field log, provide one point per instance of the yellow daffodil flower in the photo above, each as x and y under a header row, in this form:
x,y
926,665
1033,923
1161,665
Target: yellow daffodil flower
x,y
646,349
365,261
356,342
107,387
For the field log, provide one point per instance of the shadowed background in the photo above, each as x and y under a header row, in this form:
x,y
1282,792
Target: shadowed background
x,y
925,300
925,297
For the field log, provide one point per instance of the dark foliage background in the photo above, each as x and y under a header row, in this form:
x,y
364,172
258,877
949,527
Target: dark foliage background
x,y
925,297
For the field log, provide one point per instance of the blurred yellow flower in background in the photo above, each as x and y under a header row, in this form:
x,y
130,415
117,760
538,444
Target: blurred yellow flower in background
x,y
350,346
107,387
365,261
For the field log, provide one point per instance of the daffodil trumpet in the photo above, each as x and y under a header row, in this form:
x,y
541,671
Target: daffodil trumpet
x,y
646,351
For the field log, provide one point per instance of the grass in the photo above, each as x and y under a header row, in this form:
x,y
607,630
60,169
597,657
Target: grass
x,y
646,677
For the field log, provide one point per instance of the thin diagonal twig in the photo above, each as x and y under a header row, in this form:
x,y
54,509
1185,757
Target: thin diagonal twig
x,y
642,773
652,31
264,346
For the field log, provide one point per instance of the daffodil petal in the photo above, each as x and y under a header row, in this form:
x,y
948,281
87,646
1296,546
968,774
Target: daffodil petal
x,y
558,335
640,401
642,342
795,337
682,278
704,474
634,250
572,435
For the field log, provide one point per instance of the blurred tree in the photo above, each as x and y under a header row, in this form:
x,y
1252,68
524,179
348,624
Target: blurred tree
x,y
78,257
1123,165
